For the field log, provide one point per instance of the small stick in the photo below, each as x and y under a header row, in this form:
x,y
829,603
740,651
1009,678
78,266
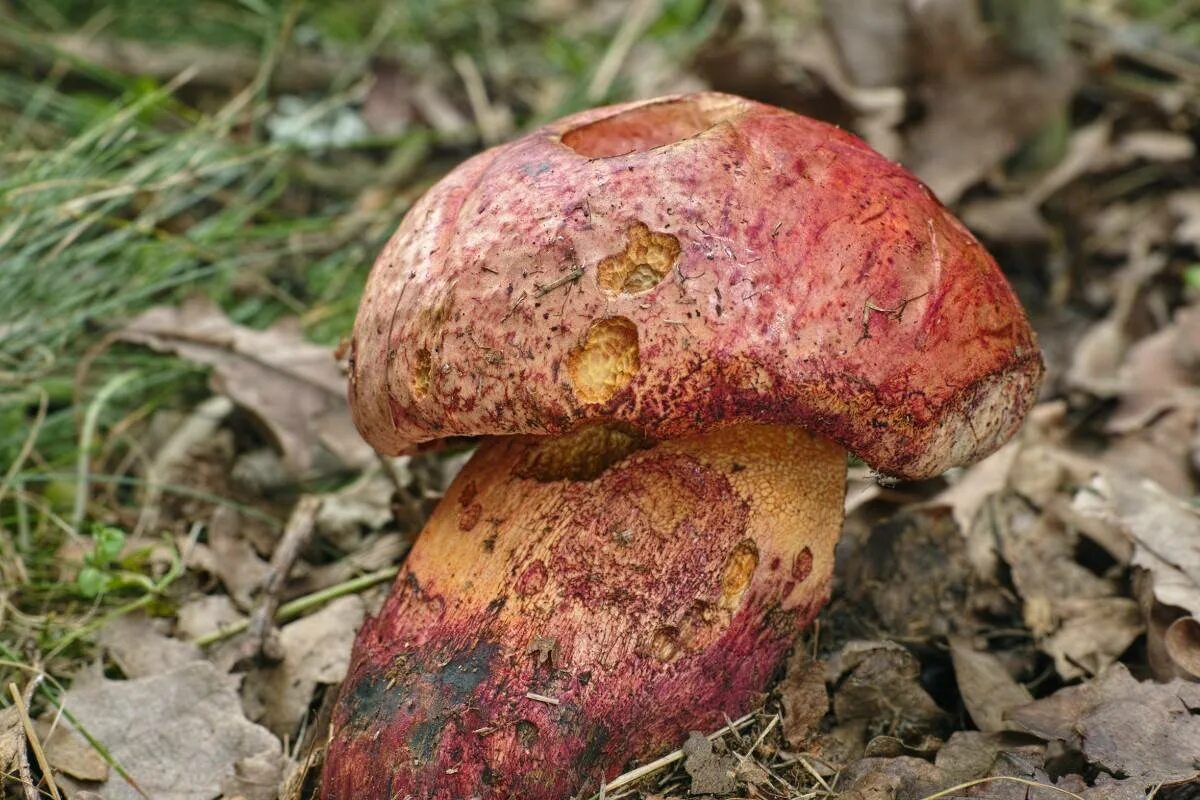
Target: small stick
x,y
1022,781
295,536
541,698
670,758
762,736
570,277
515,306
34,743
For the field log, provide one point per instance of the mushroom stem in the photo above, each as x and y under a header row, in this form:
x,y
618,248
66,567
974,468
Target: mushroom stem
x,y
579,602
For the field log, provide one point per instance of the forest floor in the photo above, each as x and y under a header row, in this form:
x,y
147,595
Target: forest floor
x,y
191,195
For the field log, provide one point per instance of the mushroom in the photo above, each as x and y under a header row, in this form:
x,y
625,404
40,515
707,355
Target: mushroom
x,y
672,318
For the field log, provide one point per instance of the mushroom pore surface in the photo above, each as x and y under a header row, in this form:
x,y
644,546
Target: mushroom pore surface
x,y
578,602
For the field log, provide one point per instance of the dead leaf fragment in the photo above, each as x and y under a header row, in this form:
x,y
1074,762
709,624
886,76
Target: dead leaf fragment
x,y
900,778
979,104
878,688
293,387
316,649
988,691
1164,529
968,755
139,647
205,615
235,560
179,734
255,778
68,752
1144,730
1182,643
711,773
804,698
12,738
915,574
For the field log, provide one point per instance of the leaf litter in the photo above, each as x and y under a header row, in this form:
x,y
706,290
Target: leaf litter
x,y
1025,627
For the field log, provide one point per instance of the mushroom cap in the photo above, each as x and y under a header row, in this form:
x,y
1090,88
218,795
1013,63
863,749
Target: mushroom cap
x,y
686,263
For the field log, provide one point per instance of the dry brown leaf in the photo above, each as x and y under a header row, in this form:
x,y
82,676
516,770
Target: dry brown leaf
x,y
1091,633
68,752
1018,218
968,755
711,773
879,110
1144,730
1164,529
977,483
1100,354
980,104
377,551
914,573
256,777
1152,145
1040,554
137,645
987,690
316,649
206,614
874,39
362,506
900,778
235,561
12,738
878,685
293,387
804,698
1159,374
1182,643
178,734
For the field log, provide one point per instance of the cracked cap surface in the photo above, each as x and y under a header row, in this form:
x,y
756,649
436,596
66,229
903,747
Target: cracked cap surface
x,y
686,263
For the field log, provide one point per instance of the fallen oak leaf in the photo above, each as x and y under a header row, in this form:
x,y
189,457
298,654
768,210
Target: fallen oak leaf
x,y
292,386
1139,729
179,734
986,687
1164,529
137,645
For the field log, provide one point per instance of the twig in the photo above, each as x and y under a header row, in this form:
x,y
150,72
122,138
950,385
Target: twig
x,y
570,277
90,421
295,608
541,698
295,536
1009,778
637,774
515,306
891,313
761,737
22,703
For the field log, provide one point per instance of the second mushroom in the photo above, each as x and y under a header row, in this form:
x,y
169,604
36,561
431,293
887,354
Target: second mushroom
x,y
673,318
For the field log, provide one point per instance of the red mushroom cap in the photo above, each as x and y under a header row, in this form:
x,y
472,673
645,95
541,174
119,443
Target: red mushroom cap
x,y
686,263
